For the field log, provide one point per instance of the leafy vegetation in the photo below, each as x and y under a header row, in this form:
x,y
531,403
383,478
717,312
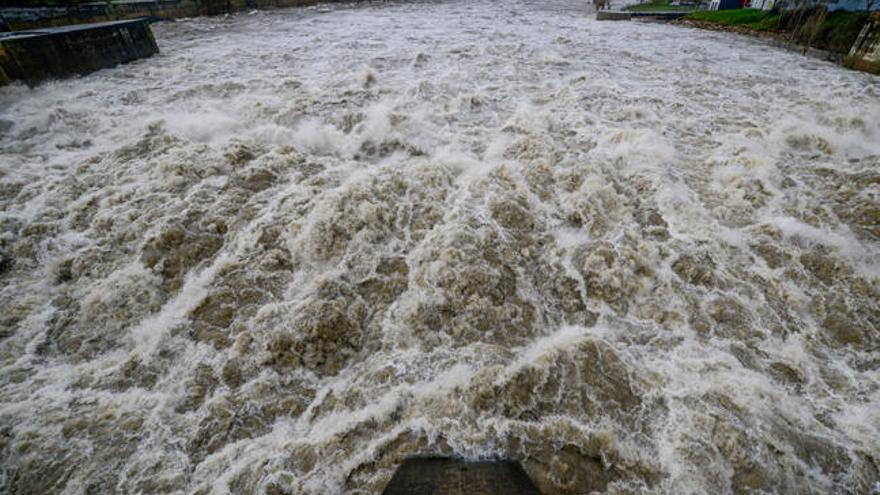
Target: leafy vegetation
x,y
835,31
759,20
840,30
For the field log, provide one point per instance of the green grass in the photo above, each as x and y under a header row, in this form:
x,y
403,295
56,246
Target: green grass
x,y
657,6
759,20
834,32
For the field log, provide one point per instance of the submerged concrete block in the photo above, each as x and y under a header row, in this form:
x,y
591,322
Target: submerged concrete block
x,y
625,15
613,15
443,476
34,56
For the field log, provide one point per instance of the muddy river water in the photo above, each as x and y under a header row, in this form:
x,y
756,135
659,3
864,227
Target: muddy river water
x,y
301,245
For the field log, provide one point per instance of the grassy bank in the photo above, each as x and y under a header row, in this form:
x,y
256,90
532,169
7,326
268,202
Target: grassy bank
x,y
759,20
834,32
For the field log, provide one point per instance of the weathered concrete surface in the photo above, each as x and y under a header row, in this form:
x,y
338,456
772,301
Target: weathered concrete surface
x,y
865,52
24,18
625,15
664,15
34,56
442,476
613,15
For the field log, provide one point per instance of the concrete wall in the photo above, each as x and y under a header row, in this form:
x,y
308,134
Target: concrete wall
x,y
33,56
865,53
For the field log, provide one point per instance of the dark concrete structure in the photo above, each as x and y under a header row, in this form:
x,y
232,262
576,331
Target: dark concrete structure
x,y
865,52
625,15
613,15
26,18
34,56
443,476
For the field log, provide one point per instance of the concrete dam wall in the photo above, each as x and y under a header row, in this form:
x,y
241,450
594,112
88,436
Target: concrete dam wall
x,y
33,56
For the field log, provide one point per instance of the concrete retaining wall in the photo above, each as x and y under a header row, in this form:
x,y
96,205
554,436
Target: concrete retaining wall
x,y
33,56
865,52
613,15
625,15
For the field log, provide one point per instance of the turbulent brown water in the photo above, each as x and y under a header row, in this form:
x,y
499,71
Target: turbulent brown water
x,y
301,245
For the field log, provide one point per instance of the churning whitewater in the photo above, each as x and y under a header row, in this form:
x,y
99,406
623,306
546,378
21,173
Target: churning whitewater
x,y
301,245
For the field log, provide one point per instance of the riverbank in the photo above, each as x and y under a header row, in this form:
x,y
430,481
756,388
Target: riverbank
x,y
829,36
27,17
